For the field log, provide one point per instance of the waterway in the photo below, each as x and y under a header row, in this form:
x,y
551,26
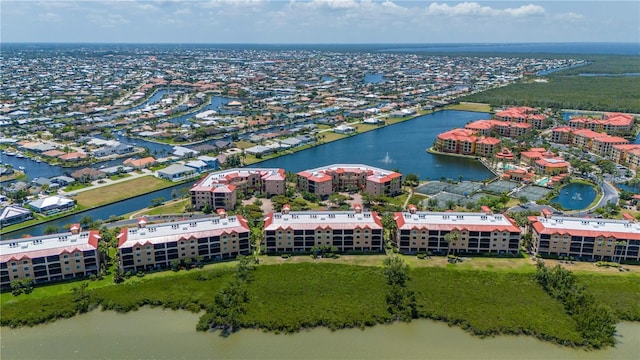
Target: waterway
x,y
165,334
575,196
401,146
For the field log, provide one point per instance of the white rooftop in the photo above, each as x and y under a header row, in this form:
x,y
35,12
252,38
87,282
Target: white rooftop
x,y
47,245
315,219
174,231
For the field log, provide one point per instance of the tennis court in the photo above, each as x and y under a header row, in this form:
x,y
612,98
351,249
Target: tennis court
x,y
432,188
464,188
501,186
533,193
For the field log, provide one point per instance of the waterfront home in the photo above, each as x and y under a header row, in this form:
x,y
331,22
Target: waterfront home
x,y
88,174
176,172
13,214
301,231
326,180
483,232
218,189
140,163
183,152
157,246
585,238
344,129
51,204
50,257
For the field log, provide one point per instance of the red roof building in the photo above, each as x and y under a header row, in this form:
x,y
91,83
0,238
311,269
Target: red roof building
x,y
523,114
613,240
326,180
156,246
355,230
50,257
482,232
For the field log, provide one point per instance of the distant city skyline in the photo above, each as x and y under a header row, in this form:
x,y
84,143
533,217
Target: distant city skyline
x,y
319,21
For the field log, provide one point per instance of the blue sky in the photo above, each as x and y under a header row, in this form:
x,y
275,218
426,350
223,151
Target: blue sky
x,y
319,21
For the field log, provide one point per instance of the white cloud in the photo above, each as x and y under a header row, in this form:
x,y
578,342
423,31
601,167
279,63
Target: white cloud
x,y
49,17
569,16
475,9
232,3
183,11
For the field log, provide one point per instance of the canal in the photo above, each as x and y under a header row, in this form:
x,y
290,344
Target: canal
x,y
165,334
401,146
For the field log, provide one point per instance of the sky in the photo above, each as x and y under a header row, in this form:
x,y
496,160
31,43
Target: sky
x,y
318,21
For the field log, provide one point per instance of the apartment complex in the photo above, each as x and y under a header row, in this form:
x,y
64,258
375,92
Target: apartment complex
x,y
626,154
482,232
148,246
50,257
523,114
355,230
218,190
326,180
502,128
585,238
544,161
466,142
598,143
614,123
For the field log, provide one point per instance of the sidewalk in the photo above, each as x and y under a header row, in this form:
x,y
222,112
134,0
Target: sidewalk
x,y
96,184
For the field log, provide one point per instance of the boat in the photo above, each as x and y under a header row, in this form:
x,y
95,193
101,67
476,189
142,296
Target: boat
x,y
19,156
9,153
21,167
38,160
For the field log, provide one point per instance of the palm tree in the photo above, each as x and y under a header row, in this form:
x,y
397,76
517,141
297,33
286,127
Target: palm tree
x,y
622,244
451,236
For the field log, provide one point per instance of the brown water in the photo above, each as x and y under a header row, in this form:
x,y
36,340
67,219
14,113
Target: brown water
x,y
165,334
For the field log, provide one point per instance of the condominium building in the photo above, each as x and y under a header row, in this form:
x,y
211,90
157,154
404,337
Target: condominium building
x,y
615,123
466,142
155,246
355,230
523,114
218,190
502,128
482,232
326,180
50,257
626,154
586,139
585,238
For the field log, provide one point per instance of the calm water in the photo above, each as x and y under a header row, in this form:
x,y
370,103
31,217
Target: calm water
x,y
164,334
575,196
401,146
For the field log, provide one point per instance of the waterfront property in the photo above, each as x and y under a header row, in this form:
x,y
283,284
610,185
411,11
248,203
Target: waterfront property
x,y
326,180
614,123
586,139
150,246
14,214
523,114
626,154
544,161
466,142
50,257
502,128
585,238
299,231
218,190
482,232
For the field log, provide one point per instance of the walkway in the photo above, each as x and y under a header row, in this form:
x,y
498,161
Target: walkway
x,y
96,184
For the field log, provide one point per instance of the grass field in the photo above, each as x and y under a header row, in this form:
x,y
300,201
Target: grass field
x,y
120,191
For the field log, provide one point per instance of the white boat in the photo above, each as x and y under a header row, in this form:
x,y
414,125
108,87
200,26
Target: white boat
x,y
19,156
9,153
21,167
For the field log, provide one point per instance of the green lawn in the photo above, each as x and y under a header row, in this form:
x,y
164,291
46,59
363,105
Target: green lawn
x,y
120,191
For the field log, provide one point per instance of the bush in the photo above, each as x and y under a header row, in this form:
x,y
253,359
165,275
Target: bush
x,y
422,256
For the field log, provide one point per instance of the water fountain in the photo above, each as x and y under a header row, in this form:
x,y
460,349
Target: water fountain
x,y
387,159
